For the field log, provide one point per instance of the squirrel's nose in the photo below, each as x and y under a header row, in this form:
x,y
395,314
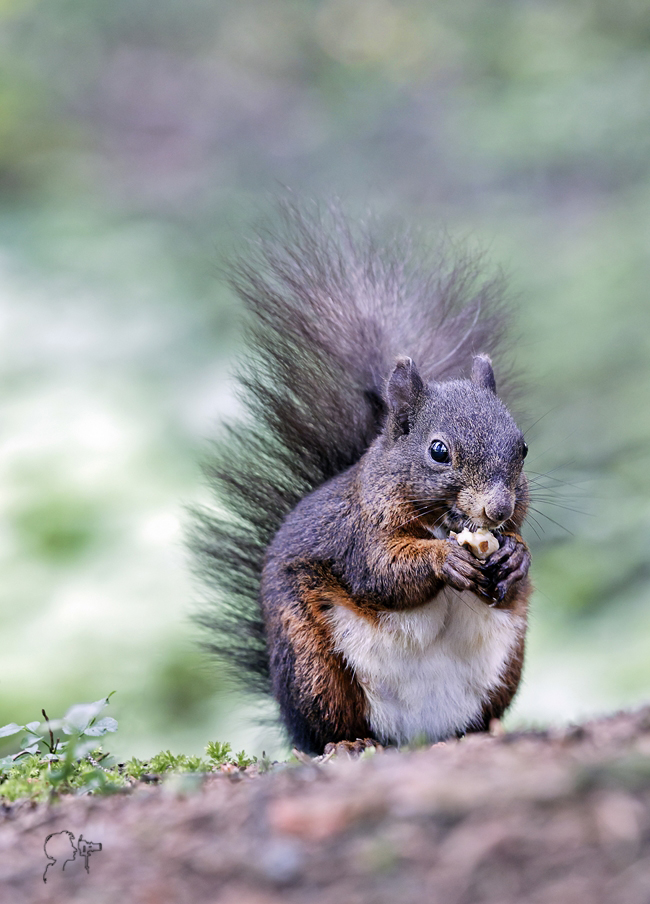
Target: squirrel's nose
x,y
499,507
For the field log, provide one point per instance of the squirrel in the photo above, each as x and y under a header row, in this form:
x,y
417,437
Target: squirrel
x,y
340,589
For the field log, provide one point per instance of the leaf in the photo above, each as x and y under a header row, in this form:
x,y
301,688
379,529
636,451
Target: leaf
x,y
33,748
11,728
6,763
80,715
108,723
33,727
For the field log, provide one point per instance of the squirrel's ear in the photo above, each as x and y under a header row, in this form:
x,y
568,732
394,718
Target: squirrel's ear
x,y
403,393
482,373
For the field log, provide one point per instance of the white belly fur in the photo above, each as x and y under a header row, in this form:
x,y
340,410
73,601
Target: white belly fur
x,y
427,672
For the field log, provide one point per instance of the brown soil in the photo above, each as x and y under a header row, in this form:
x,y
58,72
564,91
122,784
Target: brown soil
x,y
529,818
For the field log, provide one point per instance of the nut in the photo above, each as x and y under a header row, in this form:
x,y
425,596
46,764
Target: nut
x,y
481,542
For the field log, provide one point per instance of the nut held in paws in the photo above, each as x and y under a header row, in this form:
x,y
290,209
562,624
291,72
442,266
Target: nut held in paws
x,y
481,542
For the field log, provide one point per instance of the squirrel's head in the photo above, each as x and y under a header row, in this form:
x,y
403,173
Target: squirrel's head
x,y
452,452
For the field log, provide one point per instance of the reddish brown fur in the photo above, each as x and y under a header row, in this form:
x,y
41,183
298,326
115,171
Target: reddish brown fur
x,y
328,701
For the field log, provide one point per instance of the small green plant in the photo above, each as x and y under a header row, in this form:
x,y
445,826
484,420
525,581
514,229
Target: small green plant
x,y
243,761
220,754
135,768
59,756
166,761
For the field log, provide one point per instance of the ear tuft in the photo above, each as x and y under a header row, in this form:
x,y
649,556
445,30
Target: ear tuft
x,y
482,373
404,392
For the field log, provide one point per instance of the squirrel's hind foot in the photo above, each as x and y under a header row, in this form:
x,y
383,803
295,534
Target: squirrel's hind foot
x,y
351,749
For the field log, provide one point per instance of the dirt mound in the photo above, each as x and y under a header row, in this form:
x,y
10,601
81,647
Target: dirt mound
x,y
545,818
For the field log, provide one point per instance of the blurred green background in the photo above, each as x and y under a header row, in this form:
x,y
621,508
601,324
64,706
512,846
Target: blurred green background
x,y
138,140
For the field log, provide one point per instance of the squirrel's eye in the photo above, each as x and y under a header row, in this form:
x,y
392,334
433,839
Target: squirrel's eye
x,y
524,450
439,452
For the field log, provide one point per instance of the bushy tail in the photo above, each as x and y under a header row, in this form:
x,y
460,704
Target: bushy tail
x,y
330,307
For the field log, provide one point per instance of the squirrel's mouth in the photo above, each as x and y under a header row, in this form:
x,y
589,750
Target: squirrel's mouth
x,y
442,519
458,521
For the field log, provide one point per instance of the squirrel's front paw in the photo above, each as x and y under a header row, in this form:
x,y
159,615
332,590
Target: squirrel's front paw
x,y
507,565
462,570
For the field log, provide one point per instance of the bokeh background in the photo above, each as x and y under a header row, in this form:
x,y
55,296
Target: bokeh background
x,y
138,140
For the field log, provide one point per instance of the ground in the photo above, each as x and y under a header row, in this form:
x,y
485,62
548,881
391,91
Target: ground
x,y
560,817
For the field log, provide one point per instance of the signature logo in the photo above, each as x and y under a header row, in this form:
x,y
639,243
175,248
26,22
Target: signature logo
x,y
61,850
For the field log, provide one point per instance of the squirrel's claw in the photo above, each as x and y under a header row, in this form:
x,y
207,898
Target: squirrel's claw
x,y
509,570
462,571
506,549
